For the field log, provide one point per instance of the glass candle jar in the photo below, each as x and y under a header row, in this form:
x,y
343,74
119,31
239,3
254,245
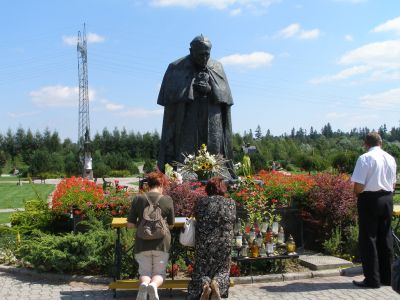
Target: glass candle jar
x,y
238,241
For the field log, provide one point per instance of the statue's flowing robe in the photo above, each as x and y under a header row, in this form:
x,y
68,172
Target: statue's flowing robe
x,y
189,120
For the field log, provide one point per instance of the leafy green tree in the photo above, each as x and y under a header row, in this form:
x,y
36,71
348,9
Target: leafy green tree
x,y
311,163
258,162
72,165
100,169
344,162
39,162
148,166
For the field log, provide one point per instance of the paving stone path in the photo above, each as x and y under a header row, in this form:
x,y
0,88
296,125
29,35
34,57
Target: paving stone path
x,y
19,286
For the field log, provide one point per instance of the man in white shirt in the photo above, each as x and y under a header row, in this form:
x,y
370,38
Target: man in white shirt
x,y
374,180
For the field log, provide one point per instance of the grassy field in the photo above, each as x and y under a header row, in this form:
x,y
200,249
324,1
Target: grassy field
x,y
396,198
13,196
5,217
8,178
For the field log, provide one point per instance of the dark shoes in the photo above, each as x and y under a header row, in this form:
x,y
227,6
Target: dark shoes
x,y
363,284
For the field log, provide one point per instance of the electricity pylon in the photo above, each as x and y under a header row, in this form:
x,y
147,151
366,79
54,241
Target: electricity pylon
x,y
84,121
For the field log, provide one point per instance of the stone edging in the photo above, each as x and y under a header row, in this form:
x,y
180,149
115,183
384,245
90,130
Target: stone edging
x,y
353,271
55,276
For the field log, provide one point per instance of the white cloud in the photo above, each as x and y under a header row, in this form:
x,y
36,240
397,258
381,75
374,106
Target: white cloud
x,y
22,114
111,106
309,34
92,38
57,96
391,25
295,31
289,31
218,4
344,74
371,59
385,53
352,1
235,12
141,113
348,38
252,5
70,40
114,107
387,99
252,60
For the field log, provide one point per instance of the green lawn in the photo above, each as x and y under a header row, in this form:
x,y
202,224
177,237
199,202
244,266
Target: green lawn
x,y
8,178
13,196
5,217
396,198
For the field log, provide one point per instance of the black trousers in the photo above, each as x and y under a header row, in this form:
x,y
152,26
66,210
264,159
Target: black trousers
x,y
375,240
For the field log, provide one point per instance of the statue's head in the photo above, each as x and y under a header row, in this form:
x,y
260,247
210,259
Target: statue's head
x,y
200,49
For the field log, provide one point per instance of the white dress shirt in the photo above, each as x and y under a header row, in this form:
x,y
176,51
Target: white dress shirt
x,y
376,170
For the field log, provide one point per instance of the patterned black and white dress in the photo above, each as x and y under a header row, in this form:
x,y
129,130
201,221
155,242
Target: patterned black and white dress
x,y
215,216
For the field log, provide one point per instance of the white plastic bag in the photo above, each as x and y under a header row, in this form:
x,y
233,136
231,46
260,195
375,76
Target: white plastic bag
x,y
186,238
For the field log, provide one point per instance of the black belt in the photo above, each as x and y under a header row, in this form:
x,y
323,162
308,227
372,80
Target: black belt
x,y
380,192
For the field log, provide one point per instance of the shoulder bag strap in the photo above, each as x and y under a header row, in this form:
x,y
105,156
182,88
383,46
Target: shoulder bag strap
x,y
155,202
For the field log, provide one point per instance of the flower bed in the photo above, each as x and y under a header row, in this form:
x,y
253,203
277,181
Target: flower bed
x,y
262,194
78,196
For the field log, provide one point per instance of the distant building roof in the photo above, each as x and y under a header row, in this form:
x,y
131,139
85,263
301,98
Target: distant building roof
x,y
249,149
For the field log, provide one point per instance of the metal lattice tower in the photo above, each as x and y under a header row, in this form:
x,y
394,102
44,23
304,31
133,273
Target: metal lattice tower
x,y
84,121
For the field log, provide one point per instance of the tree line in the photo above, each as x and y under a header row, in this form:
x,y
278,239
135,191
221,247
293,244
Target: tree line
x,y
118,152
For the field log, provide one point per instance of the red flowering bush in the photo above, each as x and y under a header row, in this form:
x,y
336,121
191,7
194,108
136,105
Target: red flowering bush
x,y
117,202
79,195
185,196
76,193
330,204
260,196
251,201
286,188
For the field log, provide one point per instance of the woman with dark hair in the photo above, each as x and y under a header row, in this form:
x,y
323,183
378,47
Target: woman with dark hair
x,y
215,216
152,255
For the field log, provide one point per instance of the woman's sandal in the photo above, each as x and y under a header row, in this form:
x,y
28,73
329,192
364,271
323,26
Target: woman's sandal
x,y
215,291
206,292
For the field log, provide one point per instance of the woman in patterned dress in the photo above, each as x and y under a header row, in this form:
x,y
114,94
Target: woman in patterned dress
x,y
215,216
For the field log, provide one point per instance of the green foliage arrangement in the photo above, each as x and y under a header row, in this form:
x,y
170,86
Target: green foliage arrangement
x,y
120,173
91,252
333,245
36,216
9,240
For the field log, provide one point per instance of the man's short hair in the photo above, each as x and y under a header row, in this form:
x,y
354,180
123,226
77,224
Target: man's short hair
x,y
373,139
200,41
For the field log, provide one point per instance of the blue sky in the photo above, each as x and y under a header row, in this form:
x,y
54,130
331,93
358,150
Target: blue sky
x,y
290,63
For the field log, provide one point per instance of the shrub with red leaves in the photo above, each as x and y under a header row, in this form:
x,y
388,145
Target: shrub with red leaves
x,y
185,196
330,204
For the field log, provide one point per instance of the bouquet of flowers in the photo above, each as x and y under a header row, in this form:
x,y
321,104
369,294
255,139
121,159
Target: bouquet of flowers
x,y
204,164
